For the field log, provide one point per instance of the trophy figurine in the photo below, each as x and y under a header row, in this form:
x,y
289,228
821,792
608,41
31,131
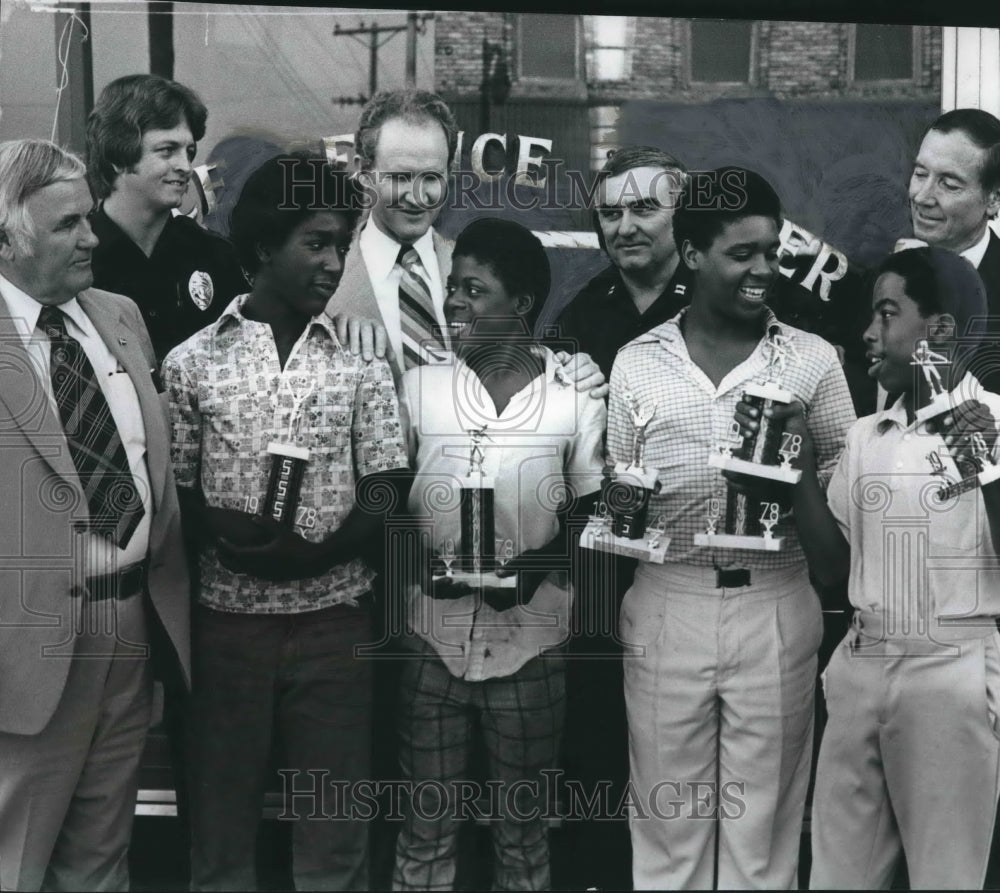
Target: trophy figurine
x,y
625,494
928,361
768,451
477,557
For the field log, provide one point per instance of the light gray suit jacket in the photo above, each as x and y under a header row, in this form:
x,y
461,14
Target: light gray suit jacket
x,y
41,498
356,297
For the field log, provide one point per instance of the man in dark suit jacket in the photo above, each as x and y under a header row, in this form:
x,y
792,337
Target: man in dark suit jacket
x,y
954,194
93,571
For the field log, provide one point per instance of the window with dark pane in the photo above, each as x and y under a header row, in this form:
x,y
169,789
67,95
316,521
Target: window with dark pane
x,y
548,46
720,50
883,52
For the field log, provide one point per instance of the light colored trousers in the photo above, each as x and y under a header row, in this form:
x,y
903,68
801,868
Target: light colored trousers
x,y
910,759
67,794
719,690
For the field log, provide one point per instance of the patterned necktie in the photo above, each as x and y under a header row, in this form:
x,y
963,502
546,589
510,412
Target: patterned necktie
x,y
94,443
421,340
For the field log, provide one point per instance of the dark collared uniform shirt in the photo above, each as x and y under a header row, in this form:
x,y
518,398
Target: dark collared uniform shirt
x,y
603,318
190,278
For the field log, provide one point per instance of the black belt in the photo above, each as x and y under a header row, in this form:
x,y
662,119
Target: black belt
x,y
732,578
120,585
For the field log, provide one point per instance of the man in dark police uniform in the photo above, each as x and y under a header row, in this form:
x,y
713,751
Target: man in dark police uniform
x,y
141,141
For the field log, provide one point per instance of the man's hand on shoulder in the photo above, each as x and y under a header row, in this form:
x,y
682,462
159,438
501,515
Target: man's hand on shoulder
x,y
582,372
363,336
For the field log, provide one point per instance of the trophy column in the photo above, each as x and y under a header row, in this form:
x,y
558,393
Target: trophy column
x,y
764,453
477,559
288,465
288,462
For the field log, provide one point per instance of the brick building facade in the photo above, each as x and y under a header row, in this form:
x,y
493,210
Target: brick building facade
x,y
562,69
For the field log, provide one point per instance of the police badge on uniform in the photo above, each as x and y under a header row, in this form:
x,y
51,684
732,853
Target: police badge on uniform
x,y
201,289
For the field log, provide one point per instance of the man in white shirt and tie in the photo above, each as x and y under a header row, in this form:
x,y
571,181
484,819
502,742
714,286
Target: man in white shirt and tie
x,y
404,148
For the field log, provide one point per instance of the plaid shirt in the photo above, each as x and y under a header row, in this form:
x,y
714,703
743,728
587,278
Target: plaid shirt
x,y
229,398
693,417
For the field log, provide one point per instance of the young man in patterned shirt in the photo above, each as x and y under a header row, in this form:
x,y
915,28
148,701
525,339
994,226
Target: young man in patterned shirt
x,y
719,685
281,608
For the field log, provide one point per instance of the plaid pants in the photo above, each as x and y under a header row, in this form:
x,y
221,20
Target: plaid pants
x,y
521,718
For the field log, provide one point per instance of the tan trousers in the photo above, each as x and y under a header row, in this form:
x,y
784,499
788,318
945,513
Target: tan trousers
x,y
719,693
910,760
67,795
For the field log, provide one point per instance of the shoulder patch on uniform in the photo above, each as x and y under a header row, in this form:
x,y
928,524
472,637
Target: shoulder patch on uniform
x,y
201,289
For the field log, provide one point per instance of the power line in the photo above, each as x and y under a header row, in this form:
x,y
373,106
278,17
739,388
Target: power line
x,y
414,25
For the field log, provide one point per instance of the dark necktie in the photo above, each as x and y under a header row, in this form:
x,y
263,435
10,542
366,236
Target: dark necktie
x,y
421,341
94,443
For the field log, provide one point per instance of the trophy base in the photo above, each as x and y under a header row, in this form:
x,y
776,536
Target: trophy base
x,y
598,536
769,391
633,474
785,474
988,475
732,541
482,579
940,405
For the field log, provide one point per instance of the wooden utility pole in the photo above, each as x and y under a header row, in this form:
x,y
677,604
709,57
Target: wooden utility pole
x,y
370,34
161,39
411,49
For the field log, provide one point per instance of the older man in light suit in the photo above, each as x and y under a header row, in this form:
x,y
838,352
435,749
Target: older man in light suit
x,y
93,581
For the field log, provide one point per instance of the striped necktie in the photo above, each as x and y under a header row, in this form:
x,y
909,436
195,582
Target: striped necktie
x,y
422,341
95,445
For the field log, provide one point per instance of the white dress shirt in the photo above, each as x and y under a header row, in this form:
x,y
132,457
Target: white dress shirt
x,y
380,252
975,254
101,556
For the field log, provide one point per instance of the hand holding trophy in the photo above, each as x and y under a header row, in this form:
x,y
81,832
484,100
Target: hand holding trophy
x,y
969,433
768,451
476,557
764,451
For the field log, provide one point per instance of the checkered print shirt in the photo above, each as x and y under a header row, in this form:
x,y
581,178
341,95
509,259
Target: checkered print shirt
x,y
693,417
229,398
